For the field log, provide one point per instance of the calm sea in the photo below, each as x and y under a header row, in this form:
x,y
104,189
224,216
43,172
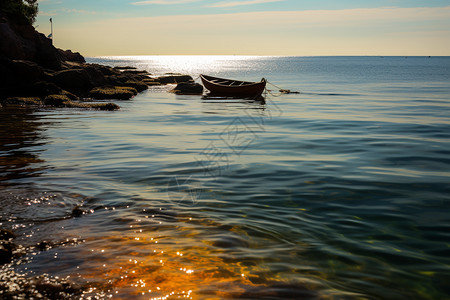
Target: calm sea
x,y
339,192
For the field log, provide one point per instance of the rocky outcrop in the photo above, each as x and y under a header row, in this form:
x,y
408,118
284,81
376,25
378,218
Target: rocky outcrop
x,y
188,88
34,72
68,55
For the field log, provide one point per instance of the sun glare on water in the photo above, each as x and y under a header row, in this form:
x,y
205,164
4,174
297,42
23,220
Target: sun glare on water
x,y
158,264
186,64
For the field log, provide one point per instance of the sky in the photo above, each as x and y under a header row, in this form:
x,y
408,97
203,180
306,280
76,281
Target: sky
x,y
248,27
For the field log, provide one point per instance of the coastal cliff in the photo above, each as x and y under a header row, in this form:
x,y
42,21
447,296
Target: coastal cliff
x,y
34,72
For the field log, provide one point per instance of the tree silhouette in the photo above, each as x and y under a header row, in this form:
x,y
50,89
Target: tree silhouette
x,y
22,12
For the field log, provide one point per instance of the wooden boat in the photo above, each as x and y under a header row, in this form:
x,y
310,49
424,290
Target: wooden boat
x,y
233,88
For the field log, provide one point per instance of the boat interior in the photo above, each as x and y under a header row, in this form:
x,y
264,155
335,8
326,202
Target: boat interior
x,y
229,82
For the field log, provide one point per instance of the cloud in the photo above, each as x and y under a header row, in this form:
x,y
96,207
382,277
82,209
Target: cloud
x,y
239,3
48,14
164,2
66,11
78,11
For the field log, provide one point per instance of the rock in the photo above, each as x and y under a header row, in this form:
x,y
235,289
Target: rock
x,y
12,44
136,72
5,72
68,55
6,234
22,101
124,68
116,92
138,85
117,79
188,88
151,81
69,95
56,100
46,54
107,71
174,79
26,72
44,245
44,88
99,106
6,252
76,81
104,106
96,74
77,212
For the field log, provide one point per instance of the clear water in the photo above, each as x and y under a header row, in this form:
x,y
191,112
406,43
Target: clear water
x,y
341,191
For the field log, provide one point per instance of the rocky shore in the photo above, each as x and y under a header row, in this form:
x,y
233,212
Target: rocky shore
x,y
34,72
14,285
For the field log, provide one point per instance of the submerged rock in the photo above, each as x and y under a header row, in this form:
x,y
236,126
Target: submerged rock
x,y
77,211
174,79
56,100
188,88
115,92
6,251
99,106
6,234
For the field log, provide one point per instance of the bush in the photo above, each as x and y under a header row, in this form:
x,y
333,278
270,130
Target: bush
x,y
23,12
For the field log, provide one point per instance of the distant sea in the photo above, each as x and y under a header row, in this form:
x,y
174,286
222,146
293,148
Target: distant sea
x,y
341,191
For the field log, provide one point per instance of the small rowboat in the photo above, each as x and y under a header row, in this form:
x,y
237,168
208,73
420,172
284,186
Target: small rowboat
x,y
233,88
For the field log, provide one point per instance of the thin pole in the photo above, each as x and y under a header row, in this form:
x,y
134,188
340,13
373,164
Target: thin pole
x,y
51,25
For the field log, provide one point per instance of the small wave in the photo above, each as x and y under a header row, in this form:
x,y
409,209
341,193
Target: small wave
x,y
331,94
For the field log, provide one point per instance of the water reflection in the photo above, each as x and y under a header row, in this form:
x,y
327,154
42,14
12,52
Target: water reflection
x,y
159,254
20,135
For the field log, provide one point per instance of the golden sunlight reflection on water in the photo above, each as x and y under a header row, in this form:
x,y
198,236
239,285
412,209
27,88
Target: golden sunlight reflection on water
x,y
158,264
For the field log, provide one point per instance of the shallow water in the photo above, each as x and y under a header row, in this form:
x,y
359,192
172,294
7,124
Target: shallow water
x,y
341,191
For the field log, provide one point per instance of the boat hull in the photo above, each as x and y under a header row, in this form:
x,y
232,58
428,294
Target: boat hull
x,y
233,88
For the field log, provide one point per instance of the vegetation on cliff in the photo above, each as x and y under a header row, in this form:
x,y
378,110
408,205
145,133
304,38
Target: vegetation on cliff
x,y
24,12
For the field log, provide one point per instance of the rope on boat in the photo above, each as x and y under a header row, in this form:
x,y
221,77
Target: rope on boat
x,y
280,90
